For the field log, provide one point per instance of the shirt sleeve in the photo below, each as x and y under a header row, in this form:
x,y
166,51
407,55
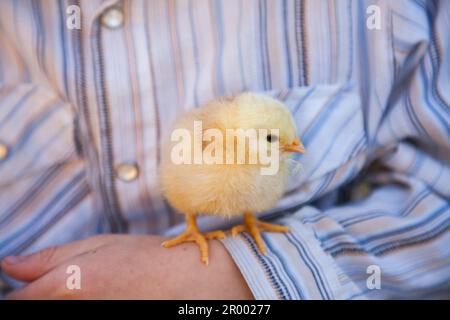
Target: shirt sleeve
x,y
389,217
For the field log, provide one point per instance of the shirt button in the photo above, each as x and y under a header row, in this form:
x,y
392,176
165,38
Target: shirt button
x,y
3,151
127,172
112,18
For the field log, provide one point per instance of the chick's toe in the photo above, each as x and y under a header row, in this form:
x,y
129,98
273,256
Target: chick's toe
x,y
191,236
254,227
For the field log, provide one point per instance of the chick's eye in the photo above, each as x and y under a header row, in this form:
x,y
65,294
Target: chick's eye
x,y
272,138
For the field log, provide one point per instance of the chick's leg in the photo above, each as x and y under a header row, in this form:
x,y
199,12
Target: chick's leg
x,y
254,227
193,234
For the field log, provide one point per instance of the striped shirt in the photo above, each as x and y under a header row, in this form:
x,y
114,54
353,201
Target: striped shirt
x,y
83,112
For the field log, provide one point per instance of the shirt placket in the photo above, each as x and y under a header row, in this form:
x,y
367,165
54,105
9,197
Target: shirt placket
x,y
125,187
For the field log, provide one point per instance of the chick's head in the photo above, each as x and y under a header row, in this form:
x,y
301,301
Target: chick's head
x,y
258,111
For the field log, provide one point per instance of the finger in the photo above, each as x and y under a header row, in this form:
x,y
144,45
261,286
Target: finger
x,y
31,267
43,288
64,283
52,285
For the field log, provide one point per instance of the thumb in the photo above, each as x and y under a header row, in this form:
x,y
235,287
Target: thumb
x,y
33,266
30,267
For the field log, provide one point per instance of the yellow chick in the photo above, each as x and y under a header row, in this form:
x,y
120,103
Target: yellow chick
x,y
204,171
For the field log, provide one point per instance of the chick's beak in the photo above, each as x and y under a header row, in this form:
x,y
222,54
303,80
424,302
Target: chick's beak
x,y
296,146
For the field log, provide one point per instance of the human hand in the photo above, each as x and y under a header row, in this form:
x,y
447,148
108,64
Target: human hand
x,y
127,267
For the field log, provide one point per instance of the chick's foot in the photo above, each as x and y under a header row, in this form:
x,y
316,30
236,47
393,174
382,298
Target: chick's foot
x,y
193,234
254,227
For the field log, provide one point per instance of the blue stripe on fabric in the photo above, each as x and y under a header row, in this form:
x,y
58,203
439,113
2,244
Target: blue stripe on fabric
x,y
331,144
18,106
351,40
79,194
37,123
436,214
310,264
325,114
196,54
31,193
240,53
270,269
43,212
302,100
442,228
372,214
284,264
380,249
287,51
